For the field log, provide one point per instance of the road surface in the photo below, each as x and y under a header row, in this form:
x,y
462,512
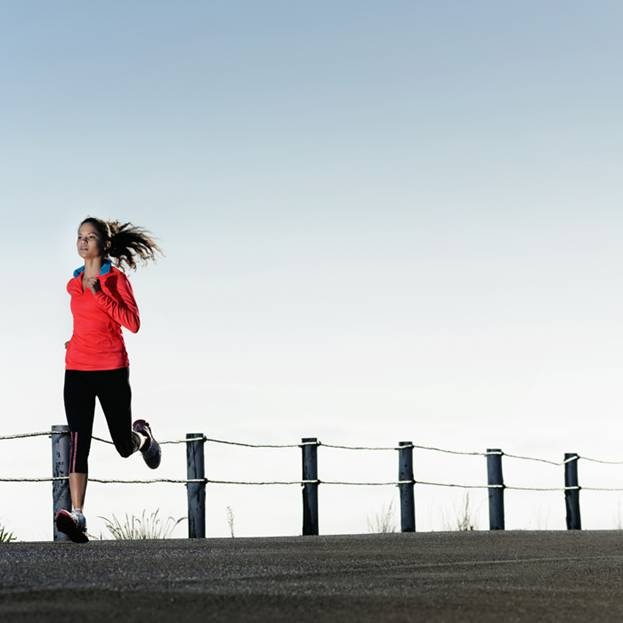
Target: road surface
x,y
443,576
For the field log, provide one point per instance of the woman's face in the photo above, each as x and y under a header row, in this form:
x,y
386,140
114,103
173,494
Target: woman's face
x,y
89,242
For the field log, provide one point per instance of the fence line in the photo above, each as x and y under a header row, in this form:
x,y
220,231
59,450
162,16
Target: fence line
x,y
22,435
393,483
338,446
196,480
603,461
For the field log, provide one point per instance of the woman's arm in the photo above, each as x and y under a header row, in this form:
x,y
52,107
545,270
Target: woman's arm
x,y
124,311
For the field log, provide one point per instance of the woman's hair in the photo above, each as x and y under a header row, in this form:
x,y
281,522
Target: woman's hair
x,y
127,242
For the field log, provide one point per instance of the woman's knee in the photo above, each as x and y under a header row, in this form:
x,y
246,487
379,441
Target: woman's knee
x,y
125,449
127,446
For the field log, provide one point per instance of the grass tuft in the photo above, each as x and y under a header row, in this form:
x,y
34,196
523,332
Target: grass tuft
x,y
230,520
465,521
139,528
383,522
6,536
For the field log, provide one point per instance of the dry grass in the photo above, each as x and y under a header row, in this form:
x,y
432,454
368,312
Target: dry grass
x,y
383,522
137,528
6,536
230,520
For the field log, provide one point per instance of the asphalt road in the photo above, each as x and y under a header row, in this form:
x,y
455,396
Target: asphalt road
x,y
442,576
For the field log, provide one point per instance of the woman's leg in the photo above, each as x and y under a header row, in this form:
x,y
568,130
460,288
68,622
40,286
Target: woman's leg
x,y
115,396
79,398
77,488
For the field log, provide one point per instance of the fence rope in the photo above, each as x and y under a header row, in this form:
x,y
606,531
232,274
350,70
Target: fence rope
x,y
160,442
458,486
263,482
146,481
603,461
515,488
203,438
23,435
33,479
226,442
373,448
548,461
262,445
199,438
101,480
256,482
338,446
406,446
460,452
313,482
366,484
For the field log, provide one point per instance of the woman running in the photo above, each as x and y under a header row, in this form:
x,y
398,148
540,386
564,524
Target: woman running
x,y
96,361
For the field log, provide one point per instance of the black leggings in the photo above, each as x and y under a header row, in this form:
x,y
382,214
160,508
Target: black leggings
x,y
112,388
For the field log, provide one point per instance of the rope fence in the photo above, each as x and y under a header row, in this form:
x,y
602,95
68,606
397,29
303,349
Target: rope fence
x,y
196,479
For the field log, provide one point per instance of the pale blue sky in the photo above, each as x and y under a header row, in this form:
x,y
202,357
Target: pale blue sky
x,y
381,221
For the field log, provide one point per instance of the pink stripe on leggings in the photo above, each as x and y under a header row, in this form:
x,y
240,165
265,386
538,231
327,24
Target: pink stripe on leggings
x,y
74,451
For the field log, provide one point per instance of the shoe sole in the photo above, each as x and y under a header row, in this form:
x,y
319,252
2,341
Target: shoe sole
x,y
66,525
153,454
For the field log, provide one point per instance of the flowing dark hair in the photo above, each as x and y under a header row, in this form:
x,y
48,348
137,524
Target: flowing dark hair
x,y
127,242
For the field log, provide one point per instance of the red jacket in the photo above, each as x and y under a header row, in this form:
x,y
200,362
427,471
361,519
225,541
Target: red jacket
x,y
97,342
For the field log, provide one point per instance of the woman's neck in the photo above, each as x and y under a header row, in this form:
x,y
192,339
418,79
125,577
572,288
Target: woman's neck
x,y
92,267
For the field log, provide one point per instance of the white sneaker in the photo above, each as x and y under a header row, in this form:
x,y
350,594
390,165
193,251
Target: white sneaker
x,y
73,524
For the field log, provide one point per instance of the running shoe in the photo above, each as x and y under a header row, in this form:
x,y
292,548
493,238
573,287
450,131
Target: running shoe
x,y
151,448
73,524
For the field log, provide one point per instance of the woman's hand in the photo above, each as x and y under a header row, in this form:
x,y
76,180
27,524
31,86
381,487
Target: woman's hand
x,y
93,284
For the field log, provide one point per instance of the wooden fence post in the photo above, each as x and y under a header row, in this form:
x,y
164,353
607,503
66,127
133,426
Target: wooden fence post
x,y
496,489
572,496
405,472
61,497
309,449
196,491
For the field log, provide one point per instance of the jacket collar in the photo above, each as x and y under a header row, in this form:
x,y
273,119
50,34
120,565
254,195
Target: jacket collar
x,y
106,268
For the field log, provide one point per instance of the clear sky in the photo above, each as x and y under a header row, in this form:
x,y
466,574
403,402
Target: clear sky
x,y
382,222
